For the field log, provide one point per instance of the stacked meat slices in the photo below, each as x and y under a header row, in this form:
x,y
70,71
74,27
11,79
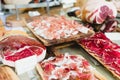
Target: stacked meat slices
x,y
67,67
107,52
56,27
16,47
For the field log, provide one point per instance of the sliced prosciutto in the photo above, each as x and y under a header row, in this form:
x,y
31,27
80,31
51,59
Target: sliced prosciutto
x,y
98,11
56,27
67,67
103,49
13,48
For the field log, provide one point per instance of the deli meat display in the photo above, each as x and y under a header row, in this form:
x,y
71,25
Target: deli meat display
x,y
67,67
104,50
53,30
61,40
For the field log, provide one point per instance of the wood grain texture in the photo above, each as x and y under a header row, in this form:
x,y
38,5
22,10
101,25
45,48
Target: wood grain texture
x,y
6,73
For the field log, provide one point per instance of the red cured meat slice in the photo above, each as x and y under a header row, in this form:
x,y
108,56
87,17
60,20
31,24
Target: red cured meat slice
x,y
85,76
18,47
23,53
19,55
99,35
100,40
117,62
73,57
18,41
116,68
107,58
113,53
85,63
36,50
49,67
108,51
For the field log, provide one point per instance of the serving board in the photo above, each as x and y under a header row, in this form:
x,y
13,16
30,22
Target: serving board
x,y
48,42
97,74
98,59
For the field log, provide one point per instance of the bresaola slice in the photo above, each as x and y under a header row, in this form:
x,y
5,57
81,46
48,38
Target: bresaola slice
x,y
104,50
17,47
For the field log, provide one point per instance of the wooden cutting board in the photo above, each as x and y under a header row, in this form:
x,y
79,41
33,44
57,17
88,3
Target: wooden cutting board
x,y
6,73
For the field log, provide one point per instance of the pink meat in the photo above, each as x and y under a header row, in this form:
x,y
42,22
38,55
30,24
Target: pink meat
x,y
107,58
116,68
97,12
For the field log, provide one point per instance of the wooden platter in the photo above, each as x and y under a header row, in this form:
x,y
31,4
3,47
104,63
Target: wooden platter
x,y
99,60
56,51
97,74
48,42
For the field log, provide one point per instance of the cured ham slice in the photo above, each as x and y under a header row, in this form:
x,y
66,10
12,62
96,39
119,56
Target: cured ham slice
x,y
56,27
66,67
97,12
104,50
16,47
